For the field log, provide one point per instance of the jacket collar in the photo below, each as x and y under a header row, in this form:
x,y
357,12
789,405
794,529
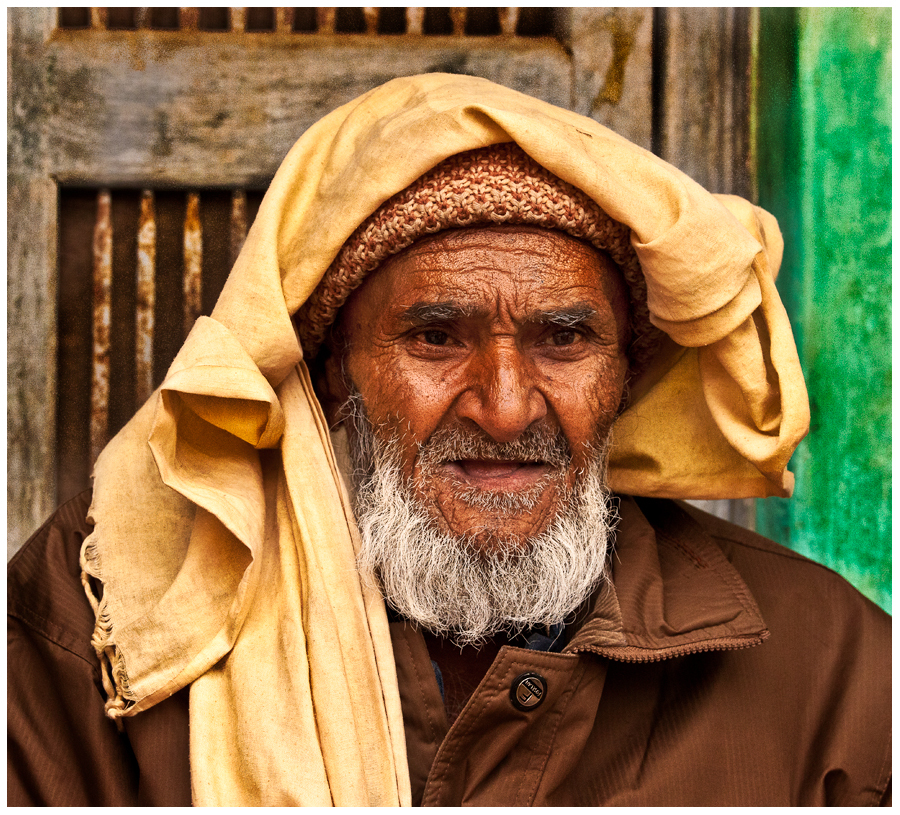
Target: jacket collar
x,y
672,592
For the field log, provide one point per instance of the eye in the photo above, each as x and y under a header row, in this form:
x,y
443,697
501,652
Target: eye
x,y
565,336
435,337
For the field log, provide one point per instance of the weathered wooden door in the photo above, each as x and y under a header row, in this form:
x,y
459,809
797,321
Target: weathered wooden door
x,y
140,141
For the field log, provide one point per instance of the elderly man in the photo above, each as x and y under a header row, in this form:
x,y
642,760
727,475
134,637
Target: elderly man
x,y
396,528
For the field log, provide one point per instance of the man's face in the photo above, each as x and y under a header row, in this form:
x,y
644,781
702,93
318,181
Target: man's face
x,y
501,335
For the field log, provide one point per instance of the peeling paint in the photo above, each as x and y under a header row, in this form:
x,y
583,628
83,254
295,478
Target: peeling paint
x,y
623,30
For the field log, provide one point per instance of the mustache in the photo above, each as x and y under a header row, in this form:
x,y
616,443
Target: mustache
x,y
536,445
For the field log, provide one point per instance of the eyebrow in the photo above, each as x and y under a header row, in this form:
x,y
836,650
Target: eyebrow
x,y
566,317
425,313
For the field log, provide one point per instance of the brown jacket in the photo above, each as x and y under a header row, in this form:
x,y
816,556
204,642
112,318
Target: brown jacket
x,y
670,690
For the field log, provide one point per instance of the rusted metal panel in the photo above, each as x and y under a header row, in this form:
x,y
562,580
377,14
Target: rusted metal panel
x,y
193,261
146,298
103,248
238,230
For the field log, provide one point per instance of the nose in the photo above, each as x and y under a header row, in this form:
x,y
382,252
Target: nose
x,y
502,398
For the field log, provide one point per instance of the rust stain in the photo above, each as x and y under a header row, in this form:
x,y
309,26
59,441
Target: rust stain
x,y
371,17
146,297
458,16
415,20
193,261
102,251
189,19
509,18
623,31
238,226
284,20
325,19
99,18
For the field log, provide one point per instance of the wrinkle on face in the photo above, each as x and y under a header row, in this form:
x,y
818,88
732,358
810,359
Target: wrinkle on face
x,y
496,332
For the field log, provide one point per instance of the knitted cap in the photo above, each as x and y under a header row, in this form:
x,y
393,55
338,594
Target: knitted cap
x,y
496,185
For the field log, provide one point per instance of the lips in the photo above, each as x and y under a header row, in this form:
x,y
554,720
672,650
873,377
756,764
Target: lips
x,y
498,474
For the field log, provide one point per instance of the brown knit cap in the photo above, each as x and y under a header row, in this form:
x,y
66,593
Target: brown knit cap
x,y
493,185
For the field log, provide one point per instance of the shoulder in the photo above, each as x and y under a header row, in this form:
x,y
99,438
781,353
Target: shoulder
x,y
786,583
828,655
820,685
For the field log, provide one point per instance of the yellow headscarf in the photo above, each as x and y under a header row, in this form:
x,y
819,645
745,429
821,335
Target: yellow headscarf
x,y
223,534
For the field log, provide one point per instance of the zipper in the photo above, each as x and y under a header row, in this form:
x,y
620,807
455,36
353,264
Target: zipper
x,y
730,644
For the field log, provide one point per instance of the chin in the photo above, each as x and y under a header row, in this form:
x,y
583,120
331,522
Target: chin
x,y
503,526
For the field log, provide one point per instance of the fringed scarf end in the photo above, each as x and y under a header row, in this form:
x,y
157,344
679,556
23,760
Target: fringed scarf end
x,y
112,667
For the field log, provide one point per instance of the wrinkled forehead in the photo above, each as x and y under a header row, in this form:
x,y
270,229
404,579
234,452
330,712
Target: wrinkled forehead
x,y
525,266
500,278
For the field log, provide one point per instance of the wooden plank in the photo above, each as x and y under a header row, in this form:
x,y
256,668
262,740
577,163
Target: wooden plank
x,y
31,281
703,109
152,107
612,68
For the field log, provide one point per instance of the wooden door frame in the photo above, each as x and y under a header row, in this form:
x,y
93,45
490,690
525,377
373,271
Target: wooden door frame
x,y
674,80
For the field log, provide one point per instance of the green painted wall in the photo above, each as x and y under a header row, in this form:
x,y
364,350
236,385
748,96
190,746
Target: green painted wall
x,y
822,127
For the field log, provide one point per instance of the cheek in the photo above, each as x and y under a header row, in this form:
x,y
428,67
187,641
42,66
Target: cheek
x,y
586,403
398,396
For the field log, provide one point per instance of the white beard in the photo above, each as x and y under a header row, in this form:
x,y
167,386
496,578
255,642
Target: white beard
x,y
442,582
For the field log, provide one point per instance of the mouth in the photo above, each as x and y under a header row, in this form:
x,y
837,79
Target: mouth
x,y
492,474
